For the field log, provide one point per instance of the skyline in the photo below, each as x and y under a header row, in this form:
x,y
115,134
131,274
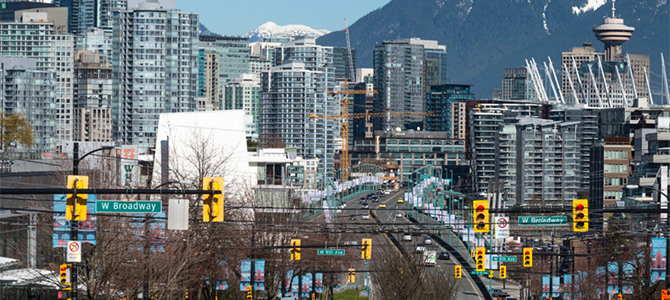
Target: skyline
x,y
241,17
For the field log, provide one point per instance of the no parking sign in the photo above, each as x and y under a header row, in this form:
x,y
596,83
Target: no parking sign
x,y
502,227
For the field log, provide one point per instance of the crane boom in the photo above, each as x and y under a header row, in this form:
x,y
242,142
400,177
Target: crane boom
x,y
352,76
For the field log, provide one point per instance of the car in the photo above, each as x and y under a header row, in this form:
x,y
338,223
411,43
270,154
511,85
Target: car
x,y
407,237
365,217
387,192
400,201
352,218
382,205
428,241
398,215
508,298
362,199
443,255
420,248
498,293
364,205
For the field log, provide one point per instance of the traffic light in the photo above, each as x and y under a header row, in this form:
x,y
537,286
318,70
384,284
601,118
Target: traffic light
x,y
619,297
76,203
295,249
212,205
472,253
503,272
366,249
481,215
250,293
580,215
457,271
64,294
352,276
527,257
65,274
480,258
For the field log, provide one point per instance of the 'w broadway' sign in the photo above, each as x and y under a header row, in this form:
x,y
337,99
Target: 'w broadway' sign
x,y
128,207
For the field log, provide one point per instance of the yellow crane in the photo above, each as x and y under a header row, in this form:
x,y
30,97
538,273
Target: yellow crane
x,y
345,116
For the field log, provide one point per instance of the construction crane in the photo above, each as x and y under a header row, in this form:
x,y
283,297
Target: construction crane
x,y
352,76
345,116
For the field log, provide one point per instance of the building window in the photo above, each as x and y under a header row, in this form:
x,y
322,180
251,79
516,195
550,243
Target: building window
x,y
616,169
616,154
615,181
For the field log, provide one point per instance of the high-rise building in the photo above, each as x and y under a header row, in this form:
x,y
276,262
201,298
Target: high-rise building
x,y
233,55
8,9
447,104
53,50
399,81
587,134
152,74
85,14
261,57
518,85
244,93
209,89
294,90
341,63
485,120
99,41
547,165
92,104
32,93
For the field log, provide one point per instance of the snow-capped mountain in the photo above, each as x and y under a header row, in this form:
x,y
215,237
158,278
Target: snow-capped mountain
x,y
270,29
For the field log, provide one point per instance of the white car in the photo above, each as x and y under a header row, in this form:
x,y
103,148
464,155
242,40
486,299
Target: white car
x,y
407,237
398,215
366,217
420,248
428,241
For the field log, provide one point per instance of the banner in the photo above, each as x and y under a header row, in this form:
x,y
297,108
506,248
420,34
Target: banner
x,y
259,275
306,285
318,285
245,274
62,228
156,232
567,286
658,259
222,276
545,287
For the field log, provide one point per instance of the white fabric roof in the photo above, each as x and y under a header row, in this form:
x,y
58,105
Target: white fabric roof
x,y
6,262
39,277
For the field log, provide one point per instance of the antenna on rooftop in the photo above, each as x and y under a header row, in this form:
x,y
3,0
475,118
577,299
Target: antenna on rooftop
x,y
613,9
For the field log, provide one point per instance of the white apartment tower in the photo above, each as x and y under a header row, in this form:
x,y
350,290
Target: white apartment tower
x,y
155,68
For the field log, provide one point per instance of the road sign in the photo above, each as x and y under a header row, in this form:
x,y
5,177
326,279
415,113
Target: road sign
x,y
426,176
128,206
665,294
556,220
73,251
479,272
502,227
505,258
330,252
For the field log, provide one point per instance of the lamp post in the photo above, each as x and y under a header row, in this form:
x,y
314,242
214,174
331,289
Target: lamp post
x,y
667,231
74,225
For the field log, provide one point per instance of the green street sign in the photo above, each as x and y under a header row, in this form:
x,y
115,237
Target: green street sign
x,y
505,258
560,220
128,206
3,6
479,272
330,252
425,176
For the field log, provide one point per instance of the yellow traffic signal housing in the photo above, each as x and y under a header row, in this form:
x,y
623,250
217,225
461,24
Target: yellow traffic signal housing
x,y
619,296
212,205
457,271
65,274
76,203
366,249
295,249
527,257
250,293
503,272
352,276
480,258
490,273
481,215
580,215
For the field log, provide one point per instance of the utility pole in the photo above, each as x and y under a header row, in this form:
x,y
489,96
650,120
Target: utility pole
x,y
74,225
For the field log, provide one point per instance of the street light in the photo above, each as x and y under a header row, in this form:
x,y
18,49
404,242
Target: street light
x,y
74,225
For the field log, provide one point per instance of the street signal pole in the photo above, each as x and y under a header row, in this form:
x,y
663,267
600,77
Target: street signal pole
x,y
580,215
212,204
295,249
527,257
366,249
480,258
481,215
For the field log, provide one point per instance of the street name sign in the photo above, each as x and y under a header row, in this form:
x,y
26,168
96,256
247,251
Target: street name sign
x,y
505,258
128,206
558,220
330,252
479,272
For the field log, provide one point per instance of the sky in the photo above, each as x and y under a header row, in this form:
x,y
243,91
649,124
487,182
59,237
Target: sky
x,y
238,17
